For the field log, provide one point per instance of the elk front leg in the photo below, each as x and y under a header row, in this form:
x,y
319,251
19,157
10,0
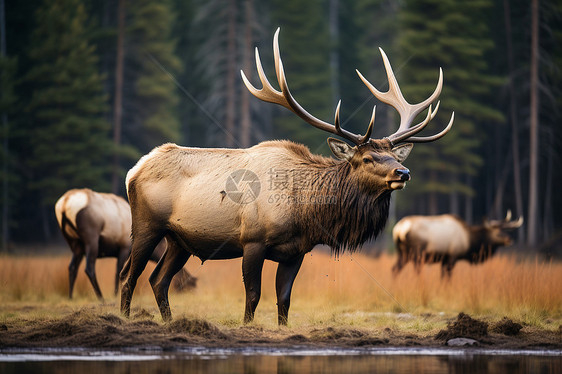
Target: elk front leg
x,y
447,265
252,264
286,274
172,261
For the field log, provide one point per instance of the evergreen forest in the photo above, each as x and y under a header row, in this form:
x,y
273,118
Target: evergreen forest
x,y
88,87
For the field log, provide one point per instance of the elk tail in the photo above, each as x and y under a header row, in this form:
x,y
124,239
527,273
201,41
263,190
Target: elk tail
x,y
65,221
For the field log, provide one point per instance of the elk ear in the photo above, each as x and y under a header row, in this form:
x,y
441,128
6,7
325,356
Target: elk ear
x,y
341,149
402,151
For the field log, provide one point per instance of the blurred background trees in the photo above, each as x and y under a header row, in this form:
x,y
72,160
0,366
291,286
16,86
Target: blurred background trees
x,y
87,87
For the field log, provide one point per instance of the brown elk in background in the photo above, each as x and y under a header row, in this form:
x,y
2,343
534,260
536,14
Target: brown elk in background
x,y
179,193
448,239
98,225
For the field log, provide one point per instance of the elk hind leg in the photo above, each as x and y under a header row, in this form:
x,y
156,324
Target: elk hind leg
x,y
284,279
121,259
77,256
172,261
401,260
252,265
91,249
143,246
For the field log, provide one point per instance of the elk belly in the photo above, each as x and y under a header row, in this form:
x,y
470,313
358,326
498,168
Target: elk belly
x,y
446,237
117,217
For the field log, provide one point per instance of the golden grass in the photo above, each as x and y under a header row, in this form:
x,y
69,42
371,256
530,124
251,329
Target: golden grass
x,y
352,290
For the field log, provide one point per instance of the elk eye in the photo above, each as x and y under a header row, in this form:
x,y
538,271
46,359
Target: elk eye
x,y
366,160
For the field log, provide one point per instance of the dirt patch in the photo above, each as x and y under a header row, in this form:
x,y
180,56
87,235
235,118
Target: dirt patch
x,y
464,327
87,328
506,327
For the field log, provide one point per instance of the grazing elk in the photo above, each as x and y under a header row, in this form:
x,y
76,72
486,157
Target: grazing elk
x,y
181,194
99,225
447,239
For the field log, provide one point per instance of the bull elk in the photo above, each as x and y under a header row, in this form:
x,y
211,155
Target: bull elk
x,y
98,225
179,193
448,239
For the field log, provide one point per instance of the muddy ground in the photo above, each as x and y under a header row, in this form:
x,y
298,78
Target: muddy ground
x,y
88,328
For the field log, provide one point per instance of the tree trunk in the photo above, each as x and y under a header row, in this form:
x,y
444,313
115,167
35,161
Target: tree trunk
x,y
532,227
231,76
454,205
514,123
118,100
497,209
548,217
5,144
433,204
245,108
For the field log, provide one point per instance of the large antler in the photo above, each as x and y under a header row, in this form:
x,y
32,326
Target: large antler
x,y
284,98
506,223
509,224
407,111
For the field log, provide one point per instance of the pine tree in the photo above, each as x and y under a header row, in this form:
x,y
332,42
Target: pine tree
x,y
224,33
192,119
150,95
69,140
305,50
377,26
8,98
452,35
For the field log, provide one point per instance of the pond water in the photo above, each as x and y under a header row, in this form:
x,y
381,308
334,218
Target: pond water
x,y
293,360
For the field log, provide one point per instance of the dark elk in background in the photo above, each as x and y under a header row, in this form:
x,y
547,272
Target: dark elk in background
x,y
447,239
179,193
98,225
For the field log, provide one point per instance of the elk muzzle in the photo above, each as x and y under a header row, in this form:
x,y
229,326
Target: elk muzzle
x,y
399,178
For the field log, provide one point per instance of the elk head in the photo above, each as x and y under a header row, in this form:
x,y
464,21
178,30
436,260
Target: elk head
x,y
497,230
375,162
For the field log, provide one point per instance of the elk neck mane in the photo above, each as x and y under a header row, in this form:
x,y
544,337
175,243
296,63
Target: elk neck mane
x,y
334,209
480,243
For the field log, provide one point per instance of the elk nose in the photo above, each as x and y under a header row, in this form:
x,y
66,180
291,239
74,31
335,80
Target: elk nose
x,y
404,174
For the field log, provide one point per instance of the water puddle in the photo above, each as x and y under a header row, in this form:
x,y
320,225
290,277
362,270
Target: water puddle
x,y
284,360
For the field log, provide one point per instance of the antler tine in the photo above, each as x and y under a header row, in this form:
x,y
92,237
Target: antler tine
x,y
513,224
337,117
267,93
399,136
367,135
427,139
284,98
508,216
406,110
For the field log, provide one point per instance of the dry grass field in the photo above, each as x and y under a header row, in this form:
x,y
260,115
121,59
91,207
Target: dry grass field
x,y
353,291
